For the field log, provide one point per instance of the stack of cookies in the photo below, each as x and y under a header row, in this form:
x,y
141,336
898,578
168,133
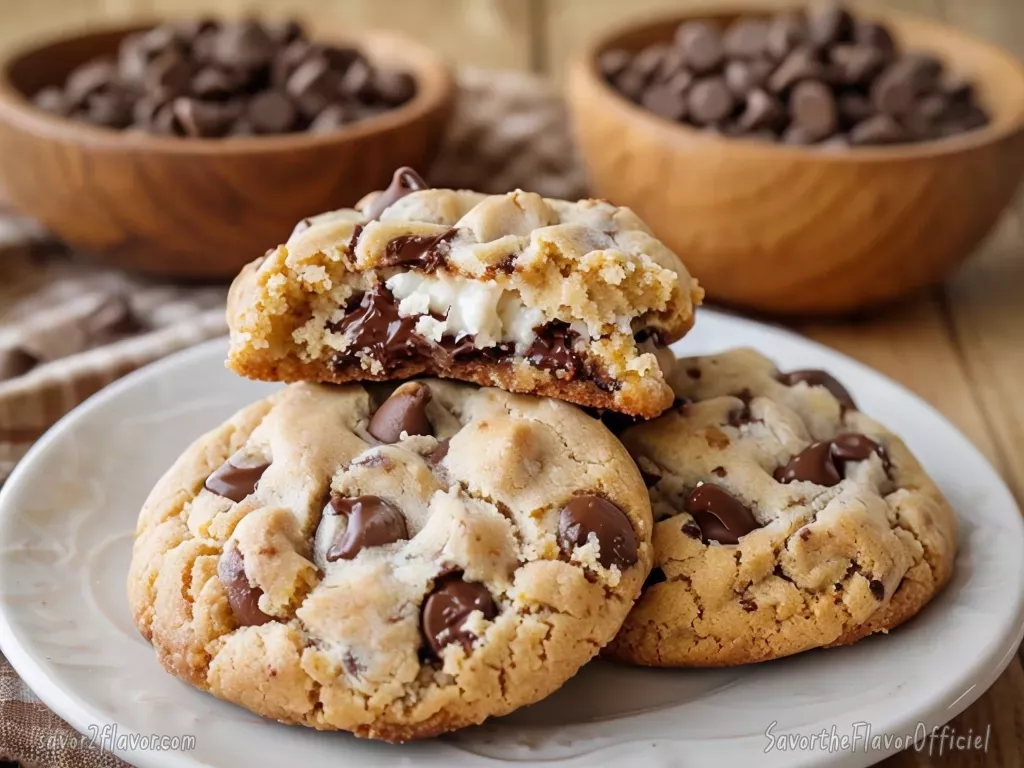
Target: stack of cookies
x,y
488,468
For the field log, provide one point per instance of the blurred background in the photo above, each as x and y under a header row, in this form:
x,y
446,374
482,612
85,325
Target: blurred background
x,y
70,325
537,35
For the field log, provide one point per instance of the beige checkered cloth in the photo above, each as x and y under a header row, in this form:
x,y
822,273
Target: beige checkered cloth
x,y
67,328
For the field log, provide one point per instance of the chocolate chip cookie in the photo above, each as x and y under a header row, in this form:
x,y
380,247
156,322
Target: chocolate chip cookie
x,y
568,300
786,519
395,562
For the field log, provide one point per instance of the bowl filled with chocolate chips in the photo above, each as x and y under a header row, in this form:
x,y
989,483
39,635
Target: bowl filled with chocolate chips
x,y
182,148
812,160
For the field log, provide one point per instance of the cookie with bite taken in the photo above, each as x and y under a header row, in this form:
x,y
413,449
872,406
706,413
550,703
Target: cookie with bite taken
x,y
572,300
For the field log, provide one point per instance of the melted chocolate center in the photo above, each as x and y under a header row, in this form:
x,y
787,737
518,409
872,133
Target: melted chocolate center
x,y
375,328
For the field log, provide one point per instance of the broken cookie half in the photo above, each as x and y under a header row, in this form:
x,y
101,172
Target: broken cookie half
x,y
573,300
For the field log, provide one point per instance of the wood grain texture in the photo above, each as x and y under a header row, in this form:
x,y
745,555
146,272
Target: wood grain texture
x,y
803,231
200,208
911,344
985,306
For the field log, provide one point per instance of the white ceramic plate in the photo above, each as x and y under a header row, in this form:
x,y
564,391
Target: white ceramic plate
x,y
68,512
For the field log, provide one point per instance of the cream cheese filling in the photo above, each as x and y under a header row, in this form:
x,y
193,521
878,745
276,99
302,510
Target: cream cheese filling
x,y
481,309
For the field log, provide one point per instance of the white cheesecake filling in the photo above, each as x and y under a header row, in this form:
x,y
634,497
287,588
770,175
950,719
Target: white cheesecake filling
x,y
478,308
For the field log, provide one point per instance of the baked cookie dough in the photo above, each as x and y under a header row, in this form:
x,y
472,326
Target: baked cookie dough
x,y
392,562
573,300
786,519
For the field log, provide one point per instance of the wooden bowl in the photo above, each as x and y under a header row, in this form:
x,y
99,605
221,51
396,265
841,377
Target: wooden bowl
x,y
797,230
199,208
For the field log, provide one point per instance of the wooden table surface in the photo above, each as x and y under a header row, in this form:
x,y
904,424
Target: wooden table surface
x,y
960,347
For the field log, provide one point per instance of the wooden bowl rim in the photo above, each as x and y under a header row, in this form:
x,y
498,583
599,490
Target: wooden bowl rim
x,y
434,80
584,67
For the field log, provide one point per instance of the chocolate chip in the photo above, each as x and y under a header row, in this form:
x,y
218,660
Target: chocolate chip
x,y
814,464
748,605
437,455
372,522
742,77
720,472
813,108
797,136
877,589
631,84
237,477
762,111
853,446
648,61
666,102
710,101
746,39
680,82
404,181
829,22
202,119
271,112
376,329
446,609
242,78
214,83
874,35
721,516
586,515
925,116
243,598
802,64
88,79
111,110
880,129
817,378
425,252
855,64
613,63
394,88
243,45
691,529
742,415
332,118
785,32
405,411
649,471
854,107
701,46
552,350
52,100
285,31
656,576
899,85
312,86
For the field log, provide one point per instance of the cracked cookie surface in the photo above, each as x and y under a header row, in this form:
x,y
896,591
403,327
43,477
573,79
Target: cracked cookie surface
x,y
395,562
785,519
573,300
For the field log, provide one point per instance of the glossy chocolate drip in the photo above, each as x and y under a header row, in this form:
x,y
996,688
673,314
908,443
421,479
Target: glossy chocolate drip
x,y
376,329
552,349
427,252
405,181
